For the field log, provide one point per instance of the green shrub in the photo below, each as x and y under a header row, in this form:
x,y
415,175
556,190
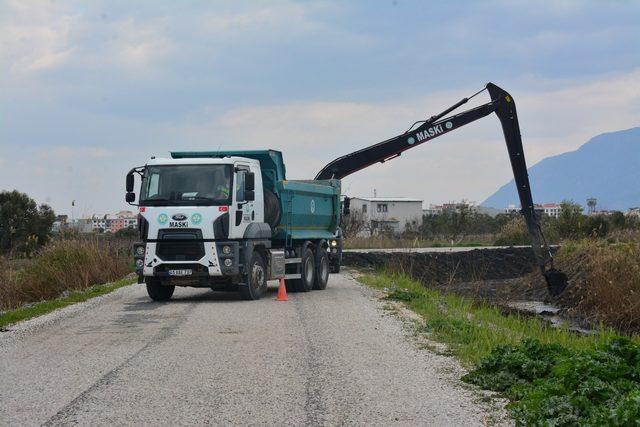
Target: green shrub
x,y
513,233
551,385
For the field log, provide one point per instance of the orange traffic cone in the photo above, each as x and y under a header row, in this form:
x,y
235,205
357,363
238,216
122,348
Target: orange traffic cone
x,y
282,292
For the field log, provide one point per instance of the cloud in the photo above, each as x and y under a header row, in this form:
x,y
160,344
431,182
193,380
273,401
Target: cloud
x,y
69,154
562,119
469,163
101,86
34,36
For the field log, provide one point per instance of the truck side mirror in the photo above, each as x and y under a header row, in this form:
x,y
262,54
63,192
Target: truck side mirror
x,y
249,181
130,197
130,182
249,195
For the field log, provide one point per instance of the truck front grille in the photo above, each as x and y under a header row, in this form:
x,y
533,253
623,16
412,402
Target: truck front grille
x,y
180,245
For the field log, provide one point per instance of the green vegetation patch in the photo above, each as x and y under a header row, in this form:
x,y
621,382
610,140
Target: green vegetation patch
x,y
38,309
551,375
473,329
552,385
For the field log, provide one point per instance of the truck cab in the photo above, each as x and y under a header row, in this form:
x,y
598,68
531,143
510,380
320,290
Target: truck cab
x,y
204,222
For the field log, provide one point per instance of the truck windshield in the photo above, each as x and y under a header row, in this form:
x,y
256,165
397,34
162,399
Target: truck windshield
x,y
186,185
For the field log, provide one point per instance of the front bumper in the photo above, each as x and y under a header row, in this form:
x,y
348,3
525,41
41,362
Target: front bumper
x,y
221,258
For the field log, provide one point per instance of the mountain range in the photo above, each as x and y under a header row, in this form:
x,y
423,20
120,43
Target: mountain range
x,y
606,167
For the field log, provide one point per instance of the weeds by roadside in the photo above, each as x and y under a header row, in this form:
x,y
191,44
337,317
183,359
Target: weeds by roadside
x,y
605,280
552,375
38,309
472,329
65,265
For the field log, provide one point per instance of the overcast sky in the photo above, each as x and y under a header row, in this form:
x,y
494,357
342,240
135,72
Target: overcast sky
x,y
90,89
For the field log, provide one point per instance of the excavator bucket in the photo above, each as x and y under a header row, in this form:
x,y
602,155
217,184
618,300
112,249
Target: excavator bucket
x,y
556,281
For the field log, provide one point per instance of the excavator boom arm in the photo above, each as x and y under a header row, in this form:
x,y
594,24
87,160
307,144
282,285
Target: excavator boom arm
x,y
504,106
394,147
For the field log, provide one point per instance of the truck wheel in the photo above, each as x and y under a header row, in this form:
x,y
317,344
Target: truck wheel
x,y
256,279
322,270
158,292
307,272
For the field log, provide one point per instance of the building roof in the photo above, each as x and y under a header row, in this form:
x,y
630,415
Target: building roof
x,y
388,199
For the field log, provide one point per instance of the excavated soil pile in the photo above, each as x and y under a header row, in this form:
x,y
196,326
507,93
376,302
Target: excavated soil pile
x,y
490,274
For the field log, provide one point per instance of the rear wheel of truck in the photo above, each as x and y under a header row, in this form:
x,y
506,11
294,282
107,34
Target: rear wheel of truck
x,y
256,279
159,292
322,270
307,272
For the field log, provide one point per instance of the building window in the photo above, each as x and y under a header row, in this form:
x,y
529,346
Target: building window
x,y
364,208
382,207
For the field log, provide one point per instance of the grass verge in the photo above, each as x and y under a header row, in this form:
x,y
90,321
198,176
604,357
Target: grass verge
x,y
551,375
62,266
38,309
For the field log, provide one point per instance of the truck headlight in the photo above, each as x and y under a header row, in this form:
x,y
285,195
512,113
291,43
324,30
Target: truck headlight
x,y
139,263
228,262
226,250
140,250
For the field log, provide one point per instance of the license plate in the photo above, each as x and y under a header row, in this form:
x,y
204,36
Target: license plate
x,y
180,272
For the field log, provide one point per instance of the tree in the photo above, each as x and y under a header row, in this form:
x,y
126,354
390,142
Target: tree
x,y
24,227
352,224
618,221
570,222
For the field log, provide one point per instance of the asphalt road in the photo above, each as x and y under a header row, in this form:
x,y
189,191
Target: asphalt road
x,y
326,357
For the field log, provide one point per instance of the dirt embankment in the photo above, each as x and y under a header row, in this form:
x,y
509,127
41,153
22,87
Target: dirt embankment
x,y
491,274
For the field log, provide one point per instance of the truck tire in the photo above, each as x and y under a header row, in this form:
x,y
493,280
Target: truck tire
x,y
322,270
256,279
307,272
158,292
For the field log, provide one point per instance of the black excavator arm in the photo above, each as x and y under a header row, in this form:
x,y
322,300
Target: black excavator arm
x,y
505,108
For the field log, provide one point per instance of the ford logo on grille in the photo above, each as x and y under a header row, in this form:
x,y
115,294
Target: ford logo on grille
x,y
179,217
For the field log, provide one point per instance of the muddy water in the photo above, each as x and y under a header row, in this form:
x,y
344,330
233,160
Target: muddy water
x,y
551,314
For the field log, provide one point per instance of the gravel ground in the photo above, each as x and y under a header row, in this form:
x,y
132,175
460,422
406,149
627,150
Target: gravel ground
x,y
329,357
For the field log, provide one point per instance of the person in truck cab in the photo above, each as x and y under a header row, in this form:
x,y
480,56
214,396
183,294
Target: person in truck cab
x,y
222,183
214,186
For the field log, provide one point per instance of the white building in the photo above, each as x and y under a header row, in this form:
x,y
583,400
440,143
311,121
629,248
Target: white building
x,y
549,209
100,222
388,212
552,209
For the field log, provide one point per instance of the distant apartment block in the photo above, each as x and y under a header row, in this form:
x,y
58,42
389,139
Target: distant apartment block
x,y
552,209
391,213
471,207
114,223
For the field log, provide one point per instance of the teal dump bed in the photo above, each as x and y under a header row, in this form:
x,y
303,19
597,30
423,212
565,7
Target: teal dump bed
x,y
309,209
